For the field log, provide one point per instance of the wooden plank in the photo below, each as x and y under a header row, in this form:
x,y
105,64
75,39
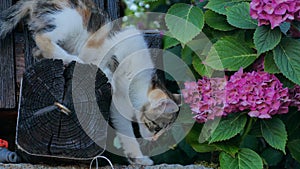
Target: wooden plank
x,y
7,70
100,3
29,45
112,7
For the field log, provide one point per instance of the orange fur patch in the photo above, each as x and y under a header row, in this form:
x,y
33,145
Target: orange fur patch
x,y
156,94
85,13
98,37
45,45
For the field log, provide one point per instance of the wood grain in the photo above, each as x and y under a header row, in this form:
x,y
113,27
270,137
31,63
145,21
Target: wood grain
x,y
7,69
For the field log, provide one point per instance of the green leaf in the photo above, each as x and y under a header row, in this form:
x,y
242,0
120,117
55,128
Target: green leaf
x,y
228,147
187,55
294,147
217,21
285,81
185,147
286,56
250,142
274,132
245,159
239,16
272,156
202,69
169,42
184,21
292,125
255,130
228,128
269,64
193,139
230,53
220,6
266,39
285,27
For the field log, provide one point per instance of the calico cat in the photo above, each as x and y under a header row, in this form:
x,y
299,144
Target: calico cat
x,y
76,30
59,27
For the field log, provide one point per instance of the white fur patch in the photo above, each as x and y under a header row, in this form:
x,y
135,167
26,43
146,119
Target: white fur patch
x,y
69,30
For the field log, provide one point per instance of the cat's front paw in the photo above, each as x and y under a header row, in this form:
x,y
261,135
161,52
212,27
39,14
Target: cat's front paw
x,y
141,161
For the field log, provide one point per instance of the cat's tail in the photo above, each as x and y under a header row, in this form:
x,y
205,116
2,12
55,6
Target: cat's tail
x,y
10,17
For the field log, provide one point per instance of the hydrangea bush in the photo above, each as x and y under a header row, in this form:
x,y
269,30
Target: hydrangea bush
x,y
248,77
260,93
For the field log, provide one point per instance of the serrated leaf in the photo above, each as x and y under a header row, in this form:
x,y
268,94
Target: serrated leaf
x,y
227,147
230,53
169,42
184,21
228,128
272,156
269,64
245,159
266,39
220,6
286,56
217,21
202,69
239,16
294,147
274,132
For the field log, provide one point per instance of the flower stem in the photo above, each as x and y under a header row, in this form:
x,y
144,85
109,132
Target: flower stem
x,y
248,128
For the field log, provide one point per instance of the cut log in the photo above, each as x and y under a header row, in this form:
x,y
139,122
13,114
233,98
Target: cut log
x,y
63,112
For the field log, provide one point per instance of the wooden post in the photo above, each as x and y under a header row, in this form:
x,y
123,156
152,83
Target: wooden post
x,y
45,130
7,69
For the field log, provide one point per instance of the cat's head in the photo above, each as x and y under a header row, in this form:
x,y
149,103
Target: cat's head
x,y
159,113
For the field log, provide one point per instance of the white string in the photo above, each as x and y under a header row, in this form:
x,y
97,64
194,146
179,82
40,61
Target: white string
x,y
96,158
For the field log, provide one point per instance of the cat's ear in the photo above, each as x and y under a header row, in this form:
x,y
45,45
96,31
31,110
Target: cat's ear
x,y
160,102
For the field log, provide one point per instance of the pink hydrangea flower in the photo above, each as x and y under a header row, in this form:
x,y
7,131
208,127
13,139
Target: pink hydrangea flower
x,y
259,93
206,98
274,12
295,96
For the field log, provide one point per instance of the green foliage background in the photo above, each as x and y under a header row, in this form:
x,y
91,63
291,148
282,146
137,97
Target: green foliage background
x,y
239,141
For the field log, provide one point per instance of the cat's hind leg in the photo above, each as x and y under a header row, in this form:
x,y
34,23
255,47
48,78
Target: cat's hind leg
x,y
51,50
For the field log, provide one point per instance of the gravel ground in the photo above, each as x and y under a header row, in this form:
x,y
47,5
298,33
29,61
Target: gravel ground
x,y
161,166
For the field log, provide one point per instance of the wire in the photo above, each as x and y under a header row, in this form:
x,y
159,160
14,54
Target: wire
x,y
96,159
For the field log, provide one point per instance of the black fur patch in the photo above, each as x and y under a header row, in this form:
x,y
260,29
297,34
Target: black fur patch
x,y
113,63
